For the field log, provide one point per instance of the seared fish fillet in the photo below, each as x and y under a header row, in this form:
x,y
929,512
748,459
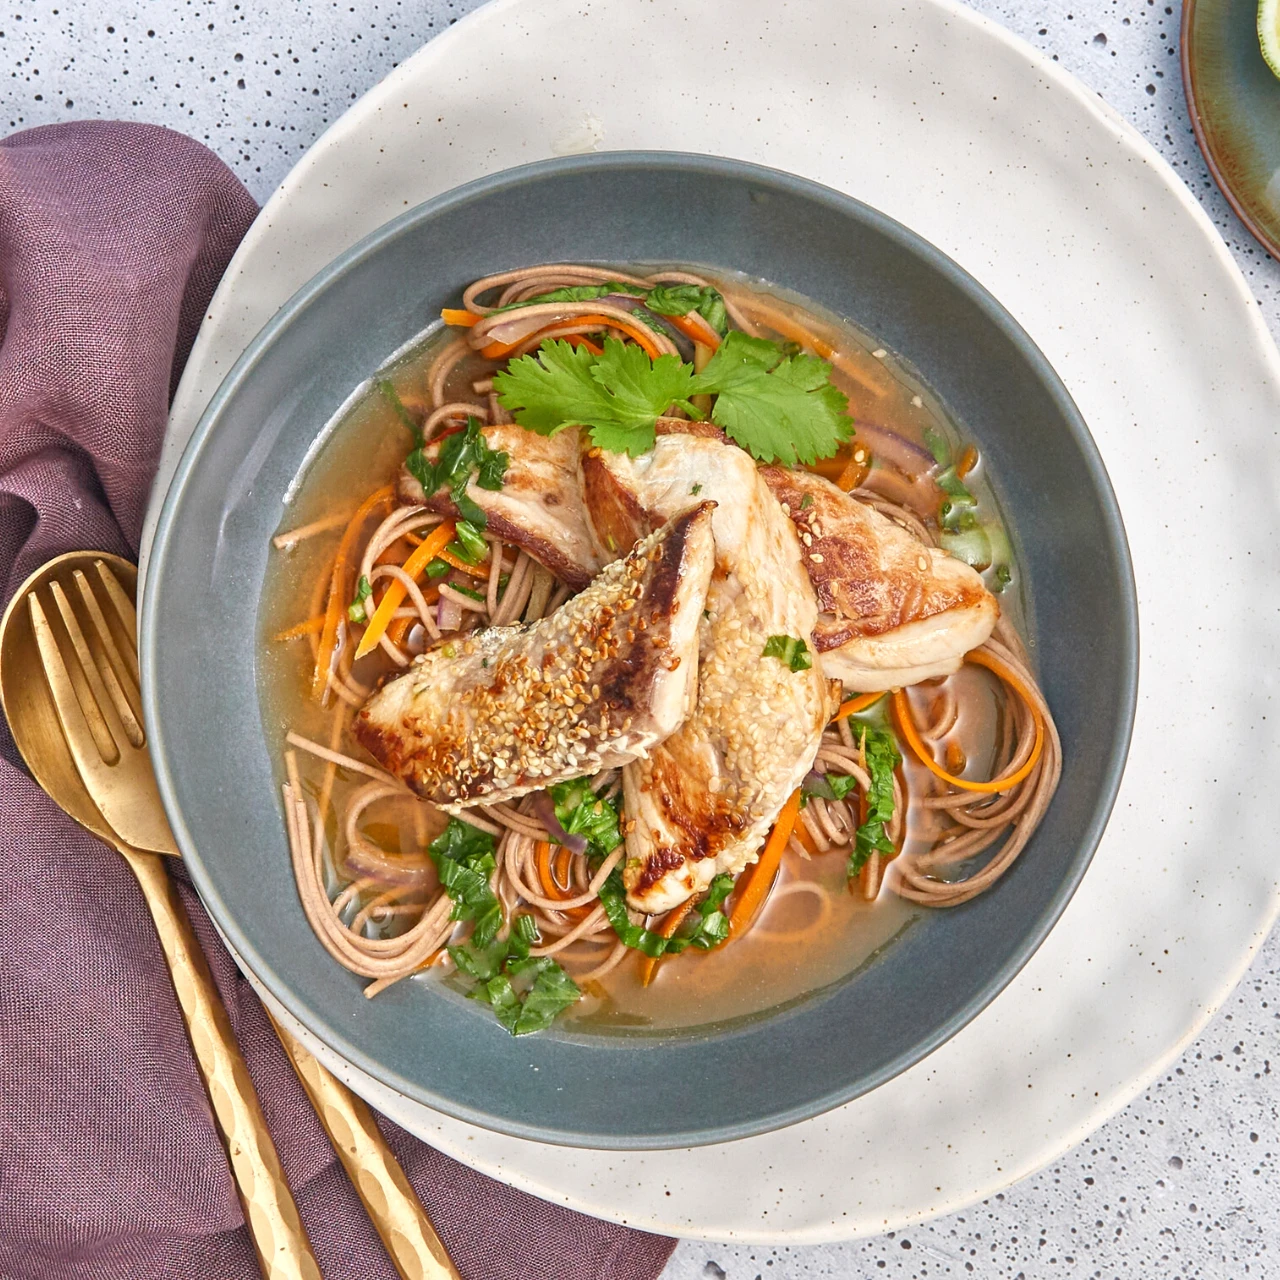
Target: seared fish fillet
x,y
598,683
703,801
539,507
895,612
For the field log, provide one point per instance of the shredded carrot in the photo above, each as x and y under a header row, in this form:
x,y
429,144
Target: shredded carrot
x,y
751,899
461,319
696,330
311,627
968,460
472,570
854,705
398,630
855,470
336,605
674,919
902,713
542,859
497,350
581,340
434,543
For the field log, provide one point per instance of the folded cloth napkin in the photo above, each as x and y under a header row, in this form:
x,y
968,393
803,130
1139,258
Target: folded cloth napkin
x,y
112,238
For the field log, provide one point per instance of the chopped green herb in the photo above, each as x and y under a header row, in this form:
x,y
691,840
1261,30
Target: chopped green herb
x,y
710,927
806,502
461,455
438,568
1004,576
356,610
469,545
680,299
392,397
582,813
939,446
790,651
467,591
830,786
695,490
464,858
872,836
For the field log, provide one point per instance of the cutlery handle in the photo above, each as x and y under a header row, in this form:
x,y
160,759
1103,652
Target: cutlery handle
x,y
385,1192
274,1226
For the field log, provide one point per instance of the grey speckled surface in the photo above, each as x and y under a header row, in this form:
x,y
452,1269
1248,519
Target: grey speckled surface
x,y
1183,1183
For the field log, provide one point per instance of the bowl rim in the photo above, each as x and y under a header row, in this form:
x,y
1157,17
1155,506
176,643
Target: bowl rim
x,y
149,622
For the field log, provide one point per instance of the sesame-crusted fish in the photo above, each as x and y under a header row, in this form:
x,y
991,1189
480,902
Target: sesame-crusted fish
x,y
704,800
894,612
539,507
598,683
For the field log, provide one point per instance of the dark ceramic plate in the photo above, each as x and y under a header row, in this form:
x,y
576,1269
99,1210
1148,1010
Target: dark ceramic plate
x,y
1234,101
199,638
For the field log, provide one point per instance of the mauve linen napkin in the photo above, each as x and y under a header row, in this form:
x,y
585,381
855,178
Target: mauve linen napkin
x,y
112,238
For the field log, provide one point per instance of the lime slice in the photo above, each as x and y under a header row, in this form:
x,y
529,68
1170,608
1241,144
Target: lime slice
x,y
1269,33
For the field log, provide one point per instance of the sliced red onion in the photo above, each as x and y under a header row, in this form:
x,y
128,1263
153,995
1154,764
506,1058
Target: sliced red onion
x,y
888,446
816,784
545,810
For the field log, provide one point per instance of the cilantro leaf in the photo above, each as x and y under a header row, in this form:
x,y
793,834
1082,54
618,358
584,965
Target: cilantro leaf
x,y
872,836
790,651
617,396
779,408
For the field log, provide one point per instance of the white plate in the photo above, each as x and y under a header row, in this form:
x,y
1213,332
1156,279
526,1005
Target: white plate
x,y
948,123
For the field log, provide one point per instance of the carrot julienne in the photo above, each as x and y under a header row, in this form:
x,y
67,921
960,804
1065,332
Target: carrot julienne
x,y
854,705
902,710
311,627
336,605
675,918
751,899
431,546
459,318
696,330
472,570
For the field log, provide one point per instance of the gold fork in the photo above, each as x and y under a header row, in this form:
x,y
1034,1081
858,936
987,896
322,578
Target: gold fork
x,y
93,675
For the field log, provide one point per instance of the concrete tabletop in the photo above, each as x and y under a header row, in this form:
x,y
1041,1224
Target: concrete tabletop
x,y
1181,1184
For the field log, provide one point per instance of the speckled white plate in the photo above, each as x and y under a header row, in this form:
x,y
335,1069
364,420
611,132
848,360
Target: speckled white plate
x,y
948,123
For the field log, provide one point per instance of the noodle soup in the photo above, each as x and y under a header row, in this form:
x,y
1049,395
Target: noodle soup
x,y
866,853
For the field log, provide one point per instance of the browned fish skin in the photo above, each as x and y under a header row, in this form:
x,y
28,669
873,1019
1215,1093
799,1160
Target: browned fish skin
x,y
597,684
894,611
539,507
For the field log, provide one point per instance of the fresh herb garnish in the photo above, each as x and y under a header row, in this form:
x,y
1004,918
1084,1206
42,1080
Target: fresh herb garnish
x,y
467,591
872,836
790,651
462,455
806,502
939,446
356,610
830,786
438,568
468,544
464,858
1004,576
392,397
695,490
618,396
776,407
680,299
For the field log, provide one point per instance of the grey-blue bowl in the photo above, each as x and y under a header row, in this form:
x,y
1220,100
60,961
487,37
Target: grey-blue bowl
x,y
199,640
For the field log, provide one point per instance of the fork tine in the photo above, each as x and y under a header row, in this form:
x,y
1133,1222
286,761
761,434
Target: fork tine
x,y
118,663
110,698
125,611
86,733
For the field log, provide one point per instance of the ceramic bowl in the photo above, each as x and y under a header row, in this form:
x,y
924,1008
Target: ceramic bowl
x,y
199,638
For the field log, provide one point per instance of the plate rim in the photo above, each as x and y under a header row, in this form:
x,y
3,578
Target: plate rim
x,y
1085,844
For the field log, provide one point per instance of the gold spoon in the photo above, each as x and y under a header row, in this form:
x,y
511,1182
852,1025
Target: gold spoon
x,y
37,727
